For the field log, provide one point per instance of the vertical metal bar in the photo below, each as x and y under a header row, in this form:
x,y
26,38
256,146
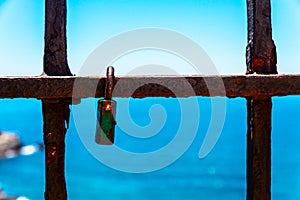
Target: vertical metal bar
x,y
56,115
55,112
259,148
261,59
55,51
261,51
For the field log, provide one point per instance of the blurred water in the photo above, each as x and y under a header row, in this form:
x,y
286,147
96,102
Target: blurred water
x,y
221,175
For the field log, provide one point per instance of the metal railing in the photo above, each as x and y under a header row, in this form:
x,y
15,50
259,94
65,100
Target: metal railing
x,y
55,89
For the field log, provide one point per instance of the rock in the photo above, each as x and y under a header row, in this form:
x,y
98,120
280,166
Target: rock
x,y
9,144
4,197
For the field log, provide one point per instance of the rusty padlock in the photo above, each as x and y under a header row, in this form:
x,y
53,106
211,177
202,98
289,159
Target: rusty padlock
x,y
106,112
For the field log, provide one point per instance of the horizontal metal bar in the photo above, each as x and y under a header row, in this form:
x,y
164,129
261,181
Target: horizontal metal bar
x,y
53,87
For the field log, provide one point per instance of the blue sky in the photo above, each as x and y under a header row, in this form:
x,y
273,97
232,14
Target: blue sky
x,y
218,26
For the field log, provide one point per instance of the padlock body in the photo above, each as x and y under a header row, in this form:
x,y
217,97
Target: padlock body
x,y
106,113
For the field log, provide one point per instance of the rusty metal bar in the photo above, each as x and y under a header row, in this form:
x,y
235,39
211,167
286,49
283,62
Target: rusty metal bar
x,y
55,51
261,51
259,148
261,59
56,112
235,86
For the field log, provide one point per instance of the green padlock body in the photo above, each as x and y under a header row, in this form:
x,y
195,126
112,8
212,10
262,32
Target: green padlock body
x,y
106,122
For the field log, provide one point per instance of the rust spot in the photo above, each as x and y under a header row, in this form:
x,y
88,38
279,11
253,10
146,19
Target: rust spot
x,y
51,150
258,62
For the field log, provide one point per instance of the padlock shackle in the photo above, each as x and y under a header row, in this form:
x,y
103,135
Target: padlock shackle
x,y
110,82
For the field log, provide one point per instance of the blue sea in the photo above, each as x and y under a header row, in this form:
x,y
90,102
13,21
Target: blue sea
x,y
220,175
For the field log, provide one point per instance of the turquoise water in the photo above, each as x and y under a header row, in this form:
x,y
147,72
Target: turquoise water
x,y
220,175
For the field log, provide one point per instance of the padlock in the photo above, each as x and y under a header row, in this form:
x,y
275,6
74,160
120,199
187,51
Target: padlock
x,y
106,112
